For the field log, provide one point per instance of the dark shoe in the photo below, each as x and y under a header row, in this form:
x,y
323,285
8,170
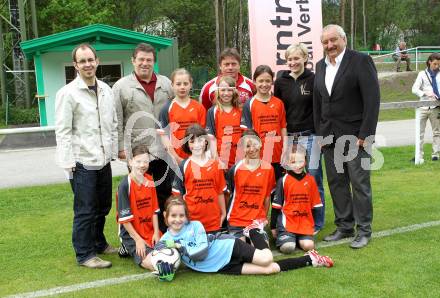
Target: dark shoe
x,y
337,235
359,242
398,70
434,158
408,69
109,250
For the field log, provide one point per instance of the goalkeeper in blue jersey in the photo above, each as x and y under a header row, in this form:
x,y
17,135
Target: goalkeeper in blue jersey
x,y
222,253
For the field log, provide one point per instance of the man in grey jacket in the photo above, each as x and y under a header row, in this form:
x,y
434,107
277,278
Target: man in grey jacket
x,y
138,98
86,138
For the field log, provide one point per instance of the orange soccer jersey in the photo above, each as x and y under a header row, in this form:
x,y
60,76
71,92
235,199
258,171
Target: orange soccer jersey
x,y
266,118
180,119
248,190
137,204
296,199
200,188
226,128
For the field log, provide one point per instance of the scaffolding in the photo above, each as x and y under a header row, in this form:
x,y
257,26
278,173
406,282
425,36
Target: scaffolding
x,y
13,21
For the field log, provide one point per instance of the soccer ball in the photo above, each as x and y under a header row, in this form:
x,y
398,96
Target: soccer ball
x,y
169,255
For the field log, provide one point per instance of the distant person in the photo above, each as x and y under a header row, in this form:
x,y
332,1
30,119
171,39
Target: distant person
x,y
229,65
146,91
400,54
426,87
346,101
295,88
86,135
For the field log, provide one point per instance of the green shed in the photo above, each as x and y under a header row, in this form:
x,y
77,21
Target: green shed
x,y
114,46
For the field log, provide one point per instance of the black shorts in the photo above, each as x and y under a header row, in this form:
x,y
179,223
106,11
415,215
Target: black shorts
x,y
130,245
241,253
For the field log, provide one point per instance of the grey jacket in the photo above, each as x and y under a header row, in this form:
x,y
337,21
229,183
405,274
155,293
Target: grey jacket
x,y
137,114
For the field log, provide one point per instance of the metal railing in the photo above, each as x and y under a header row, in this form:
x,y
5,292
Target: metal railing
x,y
417,51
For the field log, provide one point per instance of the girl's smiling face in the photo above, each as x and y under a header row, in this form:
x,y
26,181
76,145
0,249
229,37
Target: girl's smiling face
x,y
263,83
296,61
139,164
225,92
176,218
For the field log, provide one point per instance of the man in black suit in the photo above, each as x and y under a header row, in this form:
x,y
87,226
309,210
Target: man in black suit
x,y
346,102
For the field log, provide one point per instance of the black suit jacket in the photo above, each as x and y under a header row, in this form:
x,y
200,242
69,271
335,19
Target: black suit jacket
x,y
353,106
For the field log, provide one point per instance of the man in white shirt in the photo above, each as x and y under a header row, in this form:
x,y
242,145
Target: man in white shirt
x,y
346,102
86,135
427,87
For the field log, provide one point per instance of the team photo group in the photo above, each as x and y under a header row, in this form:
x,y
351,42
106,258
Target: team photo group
x,y
213,182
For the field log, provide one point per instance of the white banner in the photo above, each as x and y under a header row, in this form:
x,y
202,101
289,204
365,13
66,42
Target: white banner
x,y
276,24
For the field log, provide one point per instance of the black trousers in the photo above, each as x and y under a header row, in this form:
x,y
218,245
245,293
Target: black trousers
x,y
349,182
163,176
92,201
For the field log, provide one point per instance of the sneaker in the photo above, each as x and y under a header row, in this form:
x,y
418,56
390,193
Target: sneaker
x,y
434,158
318,260
109,250
256,224
96,263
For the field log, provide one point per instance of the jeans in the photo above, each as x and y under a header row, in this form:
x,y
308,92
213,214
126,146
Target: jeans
x,y
92,201
314,168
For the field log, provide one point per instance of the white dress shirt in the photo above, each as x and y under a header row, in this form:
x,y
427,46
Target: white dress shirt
x,y
331,70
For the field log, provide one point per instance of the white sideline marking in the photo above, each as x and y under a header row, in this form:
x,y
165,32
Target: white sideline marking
x,y
135,277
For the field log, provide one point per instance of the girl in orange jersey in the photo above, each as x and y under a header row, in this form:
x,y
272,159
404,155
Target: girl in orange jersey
x,y
250,182
202,181
223,122
266,115
137,210
176,116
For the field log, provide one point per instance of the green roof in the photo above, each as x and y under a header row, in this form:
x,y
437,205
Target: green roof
x,y
102,37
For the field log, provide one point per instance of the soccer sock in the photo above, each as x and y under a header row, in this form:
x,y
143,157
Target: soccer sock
x,y
258,239
294,263
273,218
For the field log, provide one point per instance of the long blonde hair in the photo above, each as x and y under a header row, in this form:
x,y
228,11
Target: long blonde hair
x,y
235,100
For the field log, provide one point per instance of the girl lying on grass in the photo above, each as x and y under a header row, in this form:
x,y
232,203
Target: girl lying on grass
x,y
221,253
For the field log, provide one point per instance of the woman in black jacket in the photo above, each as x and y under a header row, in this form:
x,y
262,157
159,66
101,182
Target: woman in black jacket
x,y
295,88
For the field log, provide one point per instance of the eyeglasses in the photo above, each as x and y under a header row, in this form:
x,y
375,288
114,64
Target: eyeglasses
x,y
85,61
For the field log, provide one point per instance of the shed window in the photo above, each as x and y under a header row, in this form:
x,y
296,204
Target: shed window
x,y
108,73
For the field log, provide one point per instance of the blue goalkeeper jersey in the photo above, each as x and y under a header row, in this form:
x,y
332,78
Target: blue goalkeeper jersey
x,y
202,252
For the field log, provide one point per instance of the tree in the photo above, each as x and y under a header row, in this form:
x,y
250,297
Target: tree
x,y
61,15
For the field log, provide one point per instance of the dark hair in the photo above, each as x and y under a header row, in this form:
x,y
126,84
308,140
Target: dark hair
x,y
298,148
175,201
229,52
139,149
433,56
192,132
262,69
248,133
144,47
82,46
